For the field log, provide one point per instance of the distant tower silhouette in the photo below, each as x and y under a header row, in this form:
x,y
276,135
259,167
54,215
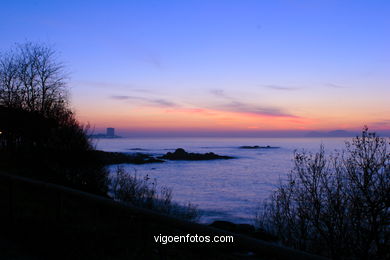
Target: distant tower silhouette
x,y
110,132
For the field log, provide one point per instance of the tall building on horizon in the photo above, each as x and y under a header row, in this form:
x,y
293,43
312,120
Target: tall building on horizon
x,y
110,132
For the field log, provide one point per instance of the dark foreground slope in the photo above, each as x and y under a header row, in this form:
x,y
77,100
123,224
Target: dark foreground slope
x,y
46,221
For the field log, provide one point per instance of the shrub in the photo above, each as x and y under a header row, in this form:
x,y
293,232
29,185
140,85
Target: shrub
x,y
338,206
144,192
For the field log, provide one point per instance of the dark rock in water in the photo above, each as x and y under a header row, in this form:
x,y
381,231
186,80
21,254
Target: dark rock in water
x,y
108,158
181,154
225,225
245,229
264,235
257,147
141,158
250,147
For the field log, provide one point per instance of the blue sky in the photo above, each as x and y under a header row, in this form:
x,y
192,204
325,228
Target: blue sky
x,y
132,63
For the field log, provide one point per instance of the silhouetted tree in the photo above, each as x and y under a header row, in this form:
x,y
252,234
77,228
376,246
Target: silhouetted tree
x,y
37,126
31,78
338,206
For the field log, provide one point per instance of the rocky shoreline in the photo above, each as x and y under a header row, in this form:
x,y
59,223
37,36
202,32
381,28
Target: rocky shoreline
x,y
108,158
180,154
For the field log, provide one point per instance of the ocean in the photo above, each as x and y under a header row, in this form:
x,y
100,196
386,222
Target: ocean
x,y
229,190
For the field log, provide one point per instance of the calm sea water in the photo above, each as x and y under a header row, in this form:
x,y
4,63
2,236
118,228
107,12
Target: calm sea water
x,y
223,189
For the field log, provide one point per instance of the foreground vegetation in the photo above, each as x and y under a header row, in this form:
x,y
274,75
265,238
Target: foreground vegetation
x,y
337,206
144,192
40,136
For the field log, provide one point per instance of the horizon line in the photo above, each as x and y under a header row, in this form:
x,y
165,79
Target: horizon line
x,y
264,133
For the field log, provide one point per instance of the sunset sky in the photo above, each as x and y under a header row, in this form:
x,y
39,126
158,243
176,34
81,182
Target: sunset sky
x,y
216,66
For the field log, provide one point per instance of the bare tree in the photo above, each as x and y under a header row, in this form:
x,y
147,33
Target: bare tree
x,y
31,78
10,84
337,206
38,130
34,107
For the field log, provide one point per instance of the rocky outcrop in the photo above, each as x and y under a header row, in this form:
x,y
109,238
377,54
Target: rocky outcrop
x,y
108,158
181,154
257,147
224,225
